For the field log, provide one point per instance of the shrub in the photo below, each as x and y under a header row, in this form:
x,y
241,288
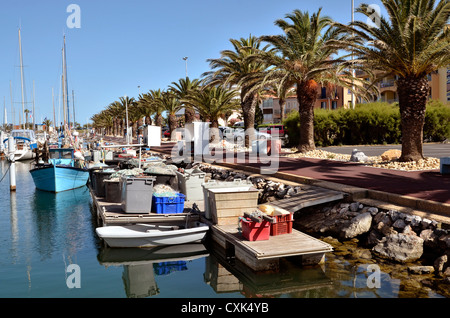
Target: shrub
x,y
372,123
437,122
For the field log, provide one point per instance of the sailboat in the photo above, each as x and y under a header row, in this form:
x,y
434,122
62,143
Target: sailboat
x,y
25,139
63,171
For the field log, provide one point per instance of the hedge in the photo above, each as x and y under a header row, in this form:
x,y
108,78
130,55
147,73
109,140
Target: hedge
x,y
368,124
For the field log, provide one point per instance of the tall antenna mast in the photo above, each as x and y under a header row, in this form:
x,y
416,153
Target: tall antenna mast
x,y
73,106
66,89
21,78
54,116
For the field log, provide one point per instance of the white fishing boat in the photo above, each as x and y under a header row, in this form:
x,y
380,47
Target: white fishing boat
x,y
149,235
25,141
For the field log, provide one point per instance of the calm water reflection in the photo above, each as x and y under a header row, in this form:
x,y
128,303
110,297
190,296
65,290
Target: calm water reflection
x,y
43,233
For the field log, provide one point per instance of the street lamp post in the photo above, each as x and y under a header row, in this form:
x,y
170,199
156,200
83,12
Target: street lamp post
x,y
185,60
126,113
353,57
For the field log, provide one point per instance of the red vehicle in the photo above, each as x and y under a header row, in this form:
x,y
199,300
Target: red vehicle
x,y
279,128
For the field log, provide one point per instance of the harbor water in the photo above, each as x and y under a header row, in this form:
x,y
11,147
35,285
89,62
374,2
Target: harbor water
x,y
49,249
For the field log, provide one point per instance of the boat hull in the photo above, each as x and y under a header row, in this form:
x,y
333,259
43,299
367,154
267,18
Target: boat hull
x,y
58,179
138,235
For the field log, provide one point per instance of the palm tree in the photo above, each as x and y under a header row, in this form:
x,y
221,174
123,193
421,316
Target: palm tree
x,y
180,90
304,58
47,123
212,102
117,111
171,104
234,69
155,98
126,102
410,45
283,92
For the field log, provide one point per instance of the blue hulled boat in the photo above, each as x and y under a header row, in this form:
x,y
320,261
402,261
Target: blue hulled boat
x,y
61,173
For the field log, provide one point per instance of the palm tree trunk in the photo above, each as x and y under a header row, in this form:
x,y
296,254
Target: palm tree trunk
x,y
248,106
172,125
214,132
413,94
306,96
189,115
158,120
282,103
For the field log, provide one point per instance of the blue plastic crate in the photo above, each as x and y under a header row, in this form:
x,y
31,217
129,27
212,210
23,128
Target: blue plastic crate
x,y
168,205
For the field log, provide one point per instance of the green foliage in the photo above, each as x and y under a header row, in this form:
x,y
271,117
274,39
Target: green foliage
x,y
437,122
372,123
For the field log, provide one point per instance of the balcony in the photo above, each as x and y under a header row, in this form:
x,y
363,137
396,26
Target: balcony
x,y
389,83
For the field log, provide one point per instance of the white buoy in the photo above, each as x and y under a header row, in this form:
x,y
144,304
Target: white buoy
x,y
12,168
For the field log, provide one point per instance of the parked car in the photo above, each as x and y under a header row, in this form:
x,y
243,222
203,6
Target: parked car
x,y
239,135
268,129
166,133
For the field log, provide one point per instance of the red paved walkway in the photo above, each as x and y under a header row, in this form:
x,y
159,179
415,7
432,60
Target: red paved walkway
x,y
428,185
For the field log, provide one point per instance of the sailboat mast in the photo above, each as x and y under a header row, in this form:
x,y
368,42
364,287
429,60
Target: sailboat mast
x,y
34,110
21,78
63,90
73,106
13,119
54,116
66,89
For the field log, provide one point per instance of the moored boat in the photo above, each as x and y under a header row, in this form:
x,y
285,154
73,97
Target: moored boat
x,y
149,235
61,173
25,140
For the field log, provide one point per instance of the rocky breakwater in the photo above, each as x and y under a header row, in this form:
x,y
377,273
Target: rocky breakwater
x,y
421,244
269,190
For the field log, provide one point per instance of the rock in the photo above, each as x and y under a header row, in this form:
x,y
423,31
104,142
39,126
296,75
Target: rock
x,y
447,272
439,263
358,156
392,154
358,225
408,230
429,239
400,248
399,224
425,223
444,241
354,206
420,269
373,211
374,238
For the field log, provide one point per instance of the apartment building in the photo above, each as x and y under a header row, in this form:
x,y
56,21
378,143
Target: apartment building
x,y
328,98
338,97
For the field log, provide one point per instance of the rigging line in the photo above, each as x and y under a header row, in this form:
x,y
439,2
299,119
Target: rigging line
x,y
6,173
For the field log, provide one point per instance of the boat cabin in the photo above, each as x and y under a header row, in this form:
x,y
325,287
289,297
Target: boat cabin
x,y
23,133
61,156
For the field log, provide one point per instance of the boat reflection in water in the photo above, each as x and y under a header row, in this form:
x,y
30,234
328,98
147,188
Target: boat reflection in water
x,y
59,219
140,265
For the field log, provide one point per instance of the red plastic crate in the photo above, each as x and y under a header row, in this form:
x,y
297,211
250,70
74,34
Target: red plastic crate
x,y
283,225
253,231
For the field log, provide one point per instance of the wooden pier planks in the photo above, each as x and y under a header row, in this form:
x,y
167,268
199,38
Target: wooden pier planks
x,y
285,245
309,196
108,213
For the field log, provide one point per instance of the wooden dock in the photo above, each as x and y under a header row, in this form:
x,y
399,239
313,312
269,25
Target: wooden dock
x,y
309,196
108,213
265,255
261,255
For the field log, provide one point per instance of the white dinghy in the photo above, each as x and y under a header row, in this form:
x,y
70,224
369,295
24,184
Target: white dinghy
x,y
148,235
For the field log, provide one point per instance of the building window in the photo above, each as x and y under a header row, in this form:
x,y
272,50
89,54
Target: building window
x,y
323,93
323,105
268,103
334,104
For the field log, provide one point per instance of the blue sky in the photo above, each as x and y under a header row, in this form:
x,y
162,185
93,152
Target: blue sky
x,y
125,44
